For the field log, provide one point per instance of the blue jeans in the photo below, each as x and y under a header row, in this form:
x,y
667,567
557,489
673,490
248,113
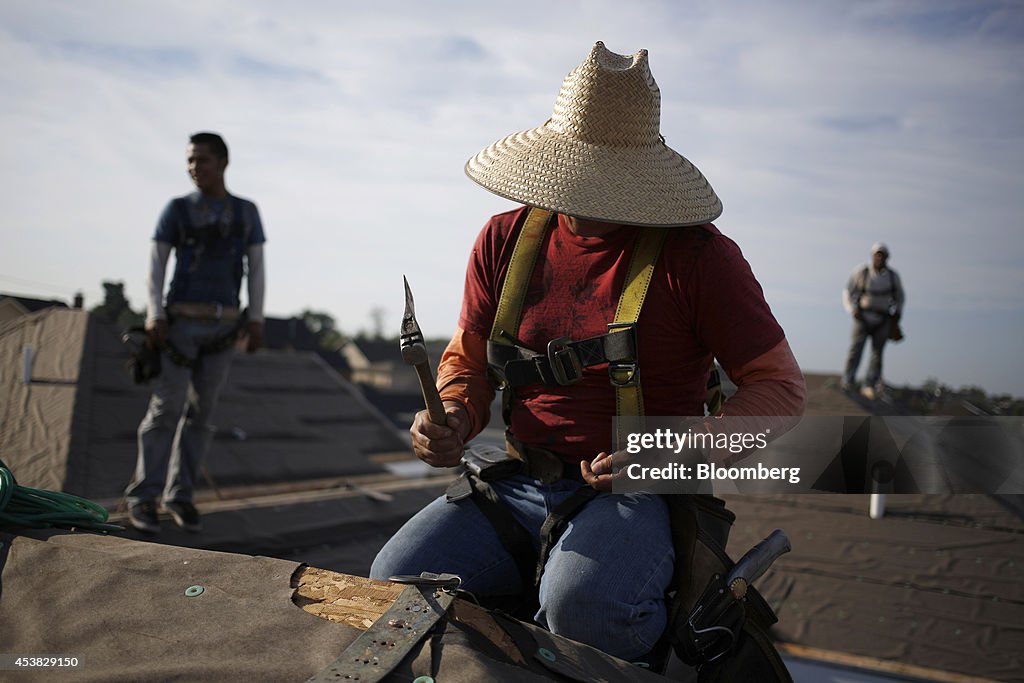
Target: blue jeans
x,y
176,431
604,582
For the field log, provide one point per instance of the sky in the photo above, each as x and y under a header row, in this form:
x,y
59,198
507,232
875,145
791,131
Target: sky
x,y
824,126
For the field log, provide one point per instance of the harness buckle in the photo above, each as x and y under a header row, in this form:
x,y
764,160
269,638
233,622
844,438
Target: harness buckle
x,y
624,373
564,362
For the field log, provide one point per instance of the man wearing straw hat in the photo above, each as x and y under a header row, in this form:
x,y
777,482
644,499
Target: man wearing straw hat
x,y
595,178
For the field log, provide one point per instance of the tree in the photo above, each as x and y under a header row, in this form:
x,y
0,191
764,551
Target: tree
x,y
324,328
115,307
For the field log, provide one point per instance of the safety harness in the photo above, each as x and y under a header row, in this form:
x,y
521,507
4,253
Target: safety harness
x,y
862,289
199,237
514,365
203,236
196,239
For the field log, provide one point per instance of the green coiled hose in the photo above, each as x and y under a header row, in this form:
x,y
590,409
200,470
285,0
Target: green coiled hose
x,y
24,506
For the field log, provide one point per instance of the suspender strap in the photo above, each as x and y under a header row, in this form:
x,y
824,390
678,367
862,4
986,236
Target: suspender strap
x,y
629,400
517,277
513,536
641,270
556,522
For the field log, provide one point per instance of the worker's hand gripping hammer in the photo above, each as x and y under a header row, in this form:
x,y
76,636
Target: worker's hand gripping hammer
x,y
414,352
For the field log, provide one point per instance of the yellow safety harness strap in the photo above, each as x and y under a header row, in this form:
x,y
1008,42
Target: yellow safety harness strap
x,y
517,277
629,400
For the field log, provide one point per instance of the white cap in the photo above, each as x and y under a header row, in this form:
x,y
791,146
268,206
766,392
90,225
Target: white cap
x,y
879,247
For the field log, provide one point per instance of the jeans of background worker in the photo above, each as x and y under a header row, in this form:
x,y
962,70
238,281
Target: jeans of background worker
x,y
878,331
176,432
604,582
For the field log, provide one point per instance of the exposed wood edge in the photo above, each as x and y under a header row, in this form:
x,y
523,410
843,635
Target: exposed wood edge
x,y
343,598
359,602
878,665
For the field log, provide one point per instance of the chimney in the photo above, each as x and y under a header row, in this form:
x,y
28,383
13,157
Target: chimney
x,y
79,301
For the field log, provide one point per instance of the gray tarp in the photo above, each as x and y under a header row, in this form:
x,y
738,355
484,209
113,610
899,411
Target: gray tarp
x,y
121,607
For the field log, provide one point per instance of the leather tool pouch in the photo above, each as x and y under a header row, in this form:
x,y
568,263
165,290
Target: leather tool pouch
x,y
144,361
724,639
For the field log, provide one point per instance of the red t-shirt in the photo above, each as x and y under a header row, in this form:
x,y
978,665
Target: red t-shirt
x,y
703,303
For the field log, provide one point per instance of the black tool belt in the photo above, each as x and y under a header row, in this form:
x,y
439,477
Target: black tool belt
x,y
491,463
563,364
222,343
144,360
540,463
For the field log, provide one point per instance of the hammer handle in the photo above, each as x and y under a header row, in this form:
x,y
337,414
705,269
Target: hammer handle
x,y
757,560
435,408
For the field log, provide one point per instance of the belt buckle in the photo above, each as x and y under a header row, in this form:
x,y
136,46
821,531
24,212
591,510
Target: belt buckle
x,y
558,352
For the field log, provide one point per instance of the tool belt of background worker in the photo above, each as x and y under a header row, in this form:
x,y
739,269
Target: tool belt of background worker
x,y
206,313
144,361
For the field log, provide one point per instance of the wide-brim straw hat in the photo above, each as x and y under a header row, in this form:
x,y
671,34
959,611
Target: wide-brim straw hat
x,y
601,154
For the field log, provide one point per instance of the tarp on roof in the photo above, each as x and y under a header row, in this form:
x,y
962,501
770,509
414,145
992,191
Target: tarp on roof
x,y
281,416
937,583
35,417
132,611
121,608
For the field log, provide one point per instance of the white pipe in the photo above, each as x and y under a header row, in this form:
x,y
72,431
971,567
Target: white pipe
x,y
877,507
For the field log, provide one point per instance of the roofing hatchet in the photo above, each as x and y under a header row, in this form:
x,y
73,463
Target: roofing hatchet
x,y
414,352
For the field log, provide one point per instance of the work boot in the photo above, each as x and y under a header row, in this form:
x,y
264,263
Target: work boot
x,y
184,514
143,517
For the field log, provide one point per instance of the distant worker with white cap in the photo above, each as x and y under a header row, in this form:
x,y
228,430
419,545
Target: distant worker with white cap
x,y
874,297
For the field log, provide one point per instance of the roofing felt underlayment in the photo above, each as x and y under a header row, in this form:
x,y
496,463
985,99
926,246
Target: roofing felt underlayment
x,y
72,426
935,589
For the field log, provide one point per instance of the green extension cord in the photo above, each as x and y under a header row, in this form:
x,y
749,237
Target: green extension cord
x,y
25,506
